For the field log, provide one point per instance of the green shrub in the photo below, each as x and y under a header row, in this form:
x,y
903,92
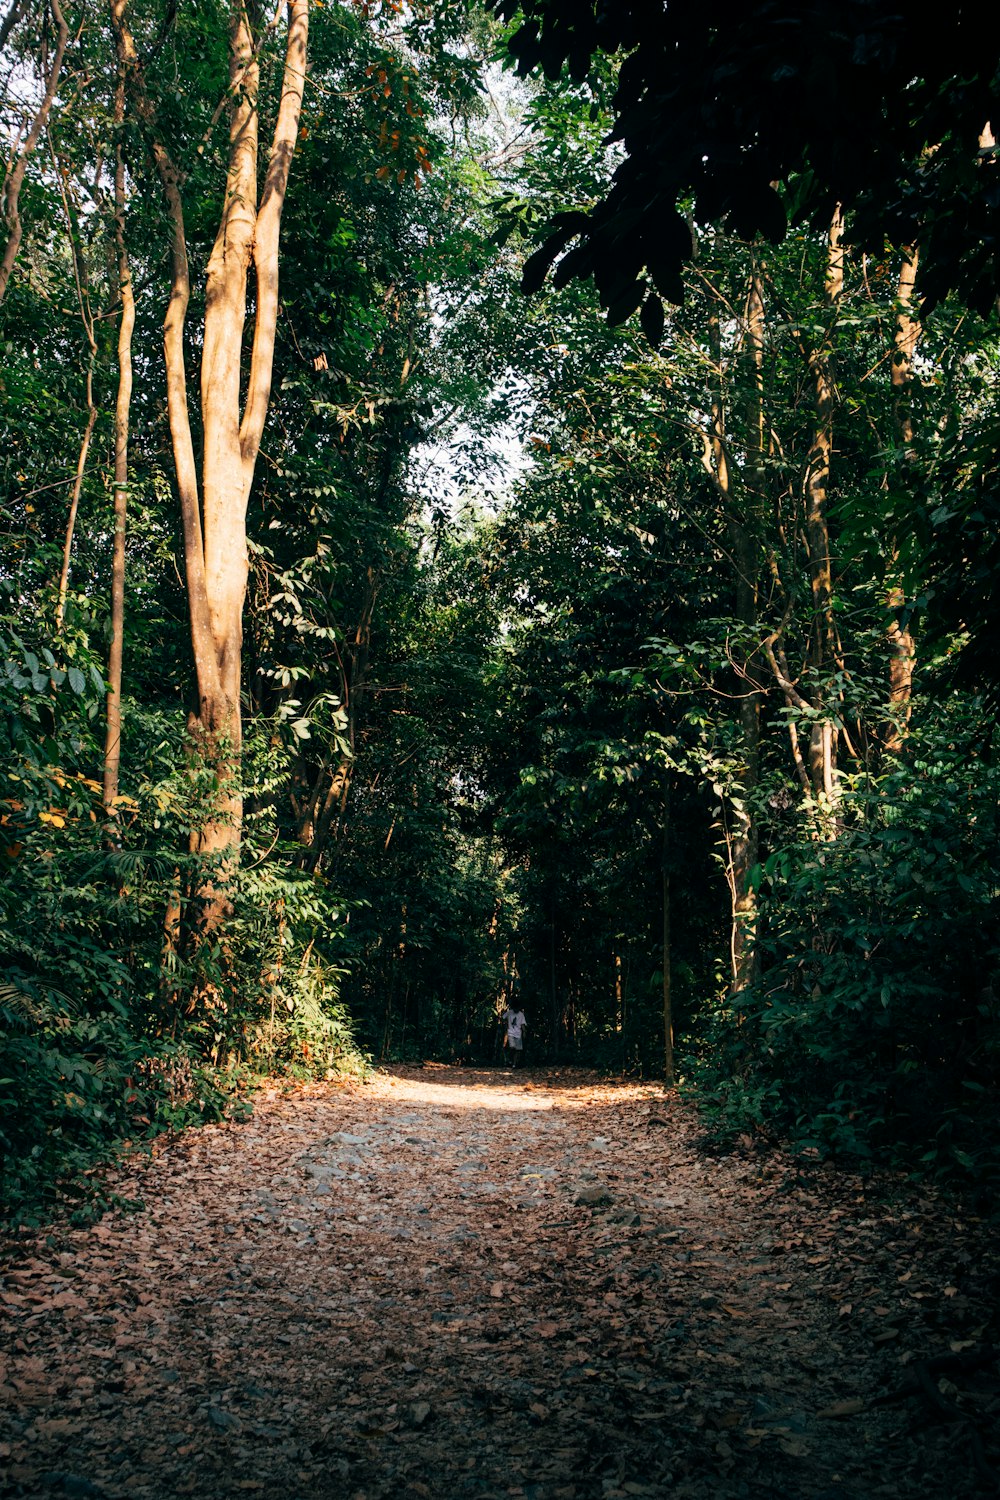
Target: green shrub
x,y
874,1017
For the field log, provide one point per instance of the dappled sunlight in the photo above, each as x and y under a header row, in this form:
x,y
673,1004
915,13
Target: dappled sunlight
x,y
503,1092
492,1092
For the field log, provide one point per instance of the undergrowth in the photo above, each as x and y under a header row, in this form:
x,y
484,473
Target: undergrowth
x,y
119,1017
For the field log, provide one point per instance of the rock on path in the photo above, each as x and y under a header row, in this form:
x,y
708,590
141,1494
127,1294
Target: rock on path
x,y
454,1284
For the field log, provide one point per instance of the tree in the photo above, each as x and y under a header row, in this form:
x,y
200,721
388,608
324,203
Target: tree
x,y
214,510
123,408
768,111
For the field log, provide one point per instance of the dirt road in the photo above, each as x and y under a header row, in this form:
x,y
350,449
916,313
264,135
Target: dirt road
x,y
457,1284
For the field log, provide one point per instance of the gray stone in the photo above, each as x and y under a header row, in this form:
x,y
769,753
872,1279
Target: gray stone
x,y
592,1195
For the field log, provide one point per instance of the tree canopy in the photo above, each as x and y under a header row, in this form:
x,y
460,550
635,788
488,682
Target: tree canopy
x,y
766,113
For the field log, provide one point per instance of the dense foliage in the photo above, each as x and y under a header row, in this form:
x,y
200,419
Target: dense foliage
x,y
653,687
841,101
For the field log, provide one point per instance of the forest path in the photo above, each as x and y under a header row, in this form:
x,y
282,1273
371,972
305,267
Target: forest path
x,y
451,1283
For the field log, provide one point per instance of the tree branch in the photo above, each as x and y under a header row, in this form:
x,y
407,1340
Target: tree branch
x,y
265,250
12,191
206,666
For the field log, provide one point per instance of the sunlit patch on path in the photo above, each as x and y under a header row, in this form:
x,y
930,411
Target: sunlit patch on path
x,y
465,1283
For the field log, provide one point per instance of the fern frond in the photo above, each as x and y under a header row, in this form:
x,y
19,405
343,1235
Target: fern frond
x,y
20,1005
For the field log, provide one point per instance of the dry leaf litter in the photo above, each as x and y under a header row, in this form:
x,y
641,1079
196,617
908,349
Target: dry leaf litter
x,y
457,1283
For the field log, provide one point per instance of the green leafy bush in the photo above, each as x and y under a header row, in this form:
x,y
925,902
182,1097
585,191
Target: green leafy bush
x,y
874,1025
111,1028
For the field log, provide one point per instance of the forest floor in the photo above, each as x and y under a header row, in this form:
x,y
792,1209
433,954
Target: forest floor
x,y
456,1283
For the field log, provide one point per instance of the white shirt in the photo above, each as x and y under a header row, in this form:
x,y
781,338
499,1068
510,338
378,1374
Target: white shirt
x,y
516,1022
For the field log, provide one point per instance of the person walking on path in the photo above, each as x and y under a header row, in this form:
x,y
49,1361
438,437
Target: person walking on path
x,y
516,1027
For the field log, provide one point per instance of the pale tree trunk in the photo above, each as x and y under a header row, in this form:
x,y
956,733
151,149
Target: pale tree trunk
x,y
80,276
246,233
170,949
112,739
741,501
226,476
214,512
74,504
15,177
905,342
824,649
901,644
744,532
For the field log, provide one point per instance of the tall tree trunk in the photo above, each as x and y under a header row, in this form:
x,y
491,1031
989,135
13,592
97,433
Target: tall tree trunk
x,y
824,647
744,534
77,491
113,733
217,722
742,502
15,177
214,513
81,278
901,643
